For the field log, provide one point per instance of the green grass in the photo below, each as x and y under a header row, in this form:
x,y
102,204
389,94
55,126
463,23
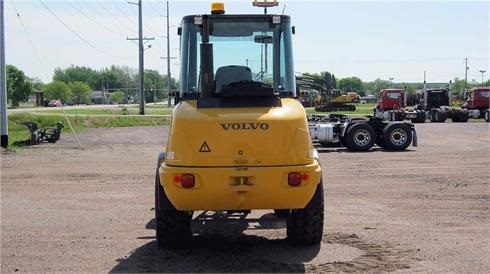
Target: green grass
x,y
112,116
111,110
80,122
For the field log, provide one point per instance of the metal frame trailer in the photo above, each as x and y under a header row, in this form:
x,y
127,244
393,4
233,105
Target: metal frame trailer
x,y
361,134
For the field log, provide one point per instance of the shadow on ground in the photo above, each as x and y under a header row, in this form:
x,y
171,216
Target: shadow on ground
x,y
220,247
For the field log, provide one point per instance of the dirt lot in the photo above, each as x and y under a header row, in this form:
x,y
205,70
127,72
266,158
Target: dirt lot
x,y
65,209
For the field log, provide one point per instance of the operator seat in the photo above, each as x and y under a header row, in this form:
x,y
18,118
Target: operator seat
x,y
229,74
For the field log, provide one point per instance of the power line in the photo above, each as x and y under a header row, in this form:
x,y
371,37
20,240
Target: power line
x,y
91,19
75,33
381,61
123,12
36,53
113,16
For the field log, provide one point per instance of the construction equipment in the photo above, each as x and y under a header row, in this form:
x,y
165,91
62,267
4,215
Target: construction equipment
x,y
326,100
238,139
47,134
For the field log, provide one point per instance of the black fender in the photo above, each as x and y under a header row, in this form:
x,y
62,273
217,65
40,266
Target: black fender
x,y
161,200
318,197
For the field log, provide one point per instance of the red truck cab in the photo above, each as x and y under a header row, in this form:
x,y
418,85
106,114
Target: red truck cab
x,y
479,98
390,99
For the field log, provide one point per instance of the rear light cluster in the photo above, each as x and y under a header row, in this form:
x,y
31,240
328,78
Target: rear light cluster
x,y
296,178
185,180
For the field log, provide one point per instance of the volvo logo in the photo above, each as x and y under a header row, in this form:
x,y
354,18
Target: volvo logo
x,y
245,126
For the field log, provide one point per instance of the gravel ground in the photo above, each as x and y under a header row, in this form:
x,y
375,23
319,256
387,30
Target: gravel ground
x,y
65,209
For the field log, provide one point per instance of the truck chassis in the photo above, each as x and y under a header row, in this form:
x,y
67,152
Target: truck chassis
x,y
360,134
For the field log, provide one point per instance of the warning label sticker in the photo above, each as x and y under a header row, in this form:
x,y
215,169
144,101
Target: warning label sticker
x,y
204,148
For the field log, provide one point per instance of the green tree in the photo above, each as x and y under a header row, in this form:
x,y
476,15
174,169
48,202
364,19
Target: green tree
x,y
37,84
460,84
328,80
117,97
410,88
80,92
77,74
57,90
377,85
351,84
18,86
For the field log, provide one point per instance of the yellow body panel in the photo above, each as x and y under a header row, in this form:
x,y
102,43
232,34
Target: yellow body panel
x,y
226,188
239,136
346,98
240,157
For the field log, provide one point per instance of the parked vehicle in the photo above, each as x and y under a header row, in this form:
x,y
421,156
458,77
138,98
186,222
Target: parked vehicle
x,y
434,105
360,134
54,103
236,142
478,102
326,100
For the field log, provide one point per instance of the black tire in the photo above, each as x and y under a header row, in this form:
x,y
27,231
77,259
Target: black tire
x,y
305,226
360,137
487,116
460,116
173,227
440,116
432,116
281,213
397,136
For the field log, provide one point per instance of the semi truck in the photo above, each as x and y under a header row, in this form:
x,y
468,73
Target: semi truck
x,y
434,105
477,103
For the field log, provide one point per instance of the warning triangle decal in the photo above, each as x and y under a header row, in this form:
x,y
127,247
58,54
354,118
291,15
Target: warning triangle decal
x,y
204,148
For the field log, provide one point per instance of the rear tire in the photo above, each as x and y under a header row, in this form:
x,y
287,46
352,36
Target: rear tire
x,y
440,116
460,116
360,137
397,136
305,226
173,227
487,116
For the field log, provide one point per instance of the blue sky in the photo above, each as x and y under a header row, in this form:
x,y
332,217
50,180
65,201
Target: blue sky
x,y
367,39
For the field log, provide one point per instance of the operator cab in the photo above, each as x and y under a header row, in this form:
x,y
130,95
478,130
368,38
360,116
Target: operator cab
x,y
227,60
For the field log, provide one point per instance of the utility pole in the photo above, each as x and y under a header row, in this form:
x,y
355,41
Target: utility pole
x,y
168,58
169,78
3,83
141,57
466,73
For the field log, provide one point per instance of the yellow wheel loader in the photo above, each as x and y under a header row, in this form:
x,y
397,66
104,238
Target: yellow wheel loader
x,y
238,140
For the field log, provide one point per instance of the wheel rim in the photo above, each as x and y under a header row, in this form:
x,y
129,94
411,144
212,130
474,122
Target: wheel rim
x,y
398,137
362,137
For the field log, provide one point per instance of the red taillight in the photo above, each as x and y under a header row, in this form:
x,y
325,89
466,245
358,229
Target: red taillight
x,y
294,179
187,181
